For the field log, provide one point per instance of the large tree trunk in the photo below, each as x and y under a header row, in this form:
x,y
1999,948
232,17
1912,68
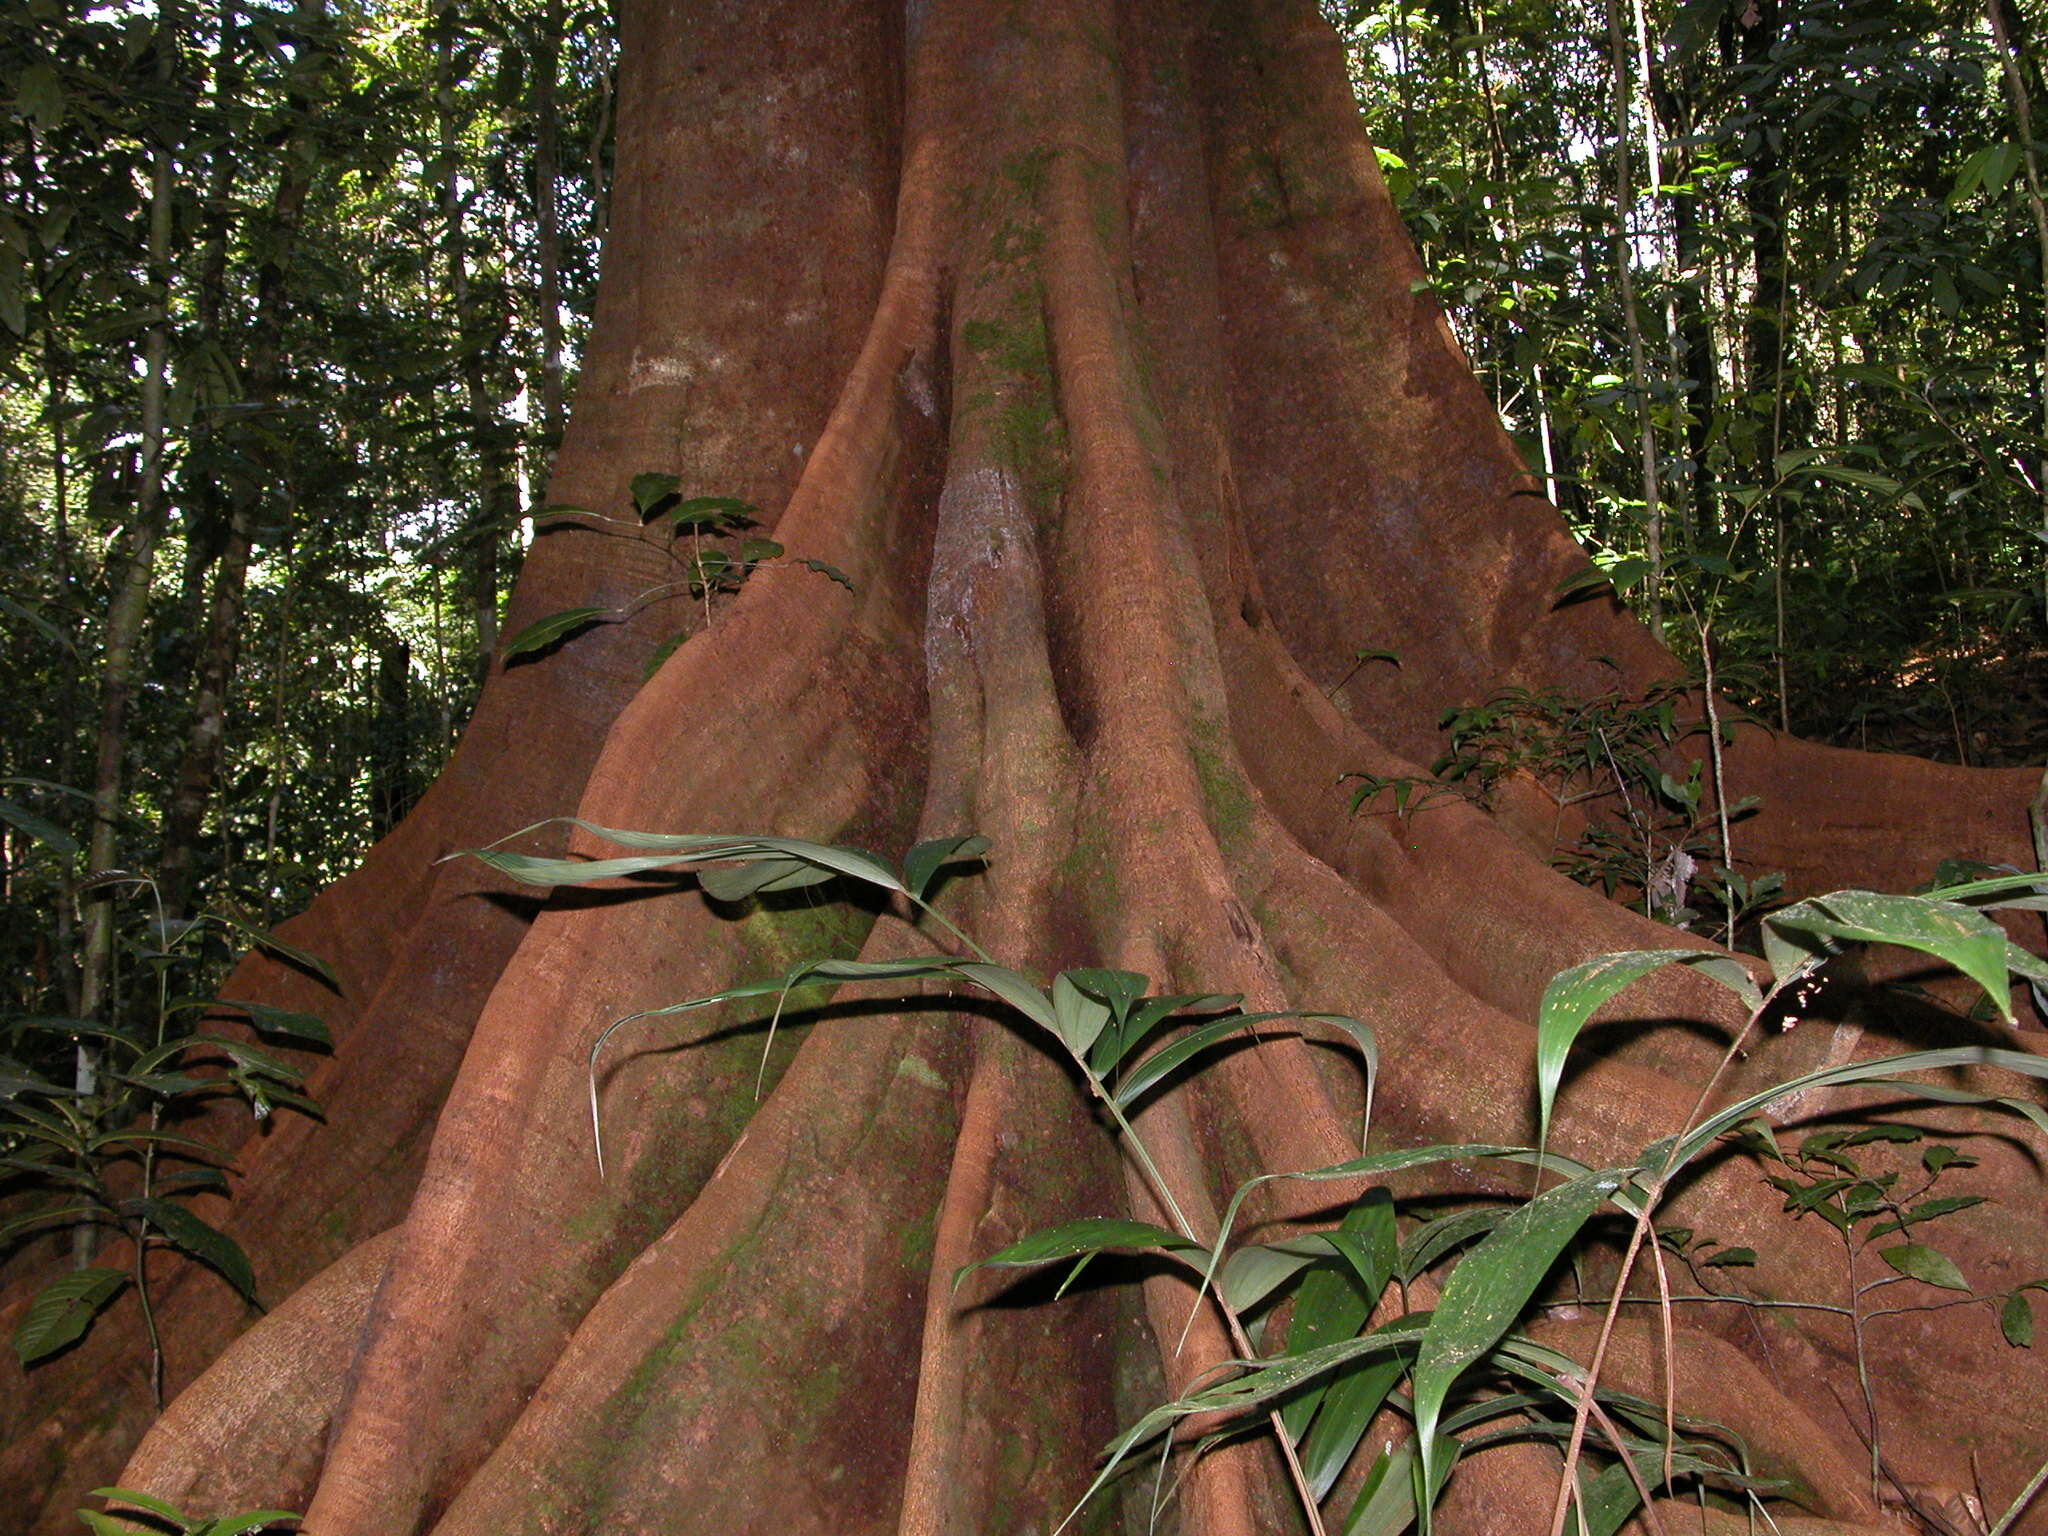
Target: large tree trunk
x,y
1082,337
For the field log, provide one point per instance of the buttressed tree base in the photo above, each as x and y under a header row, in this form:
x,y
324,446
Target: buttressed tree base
x,y
1081,337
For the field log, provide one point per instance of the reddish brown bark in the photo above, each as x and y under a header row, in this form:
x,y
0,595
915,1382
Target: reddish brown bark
x,y
1081,336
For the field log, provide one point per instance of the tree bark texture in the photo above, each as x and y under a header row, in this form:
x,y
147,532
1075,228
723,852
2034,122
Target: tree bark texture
x,y
1082,337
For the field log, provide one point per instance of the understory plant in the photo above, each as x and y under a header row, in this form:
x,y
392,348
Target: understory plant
x,y
718,562
1661,842
1460,1372
92,1124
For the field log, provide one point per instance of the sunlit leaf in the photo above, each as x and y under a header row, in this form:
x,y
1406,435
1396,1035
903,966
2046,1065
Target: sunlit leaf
x,y
544,632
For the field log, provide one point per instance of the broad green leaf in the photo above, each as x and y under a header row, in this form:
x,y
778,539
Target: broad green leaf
x,y
650,490
1121,990
41,828
923,863
1962,936
1254,1272
205,1242
1433,1239
1925,1264
1078,1017
1378,1163
736,882
63,1310
271,1020
1491,1286
150,1502
1259,1384
1014,990
682,848
250,1057
704,511
39,94
1091,1235
2016,1321
1161,1062
1335,1302
533,869
1148,1014
544,632
1155,1067
1569,1001
754,551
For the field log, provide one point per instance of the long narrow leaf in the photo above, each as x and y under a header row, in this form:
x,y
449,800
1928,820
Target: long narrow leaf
x,y
1962,936
1491,1285
1854,1072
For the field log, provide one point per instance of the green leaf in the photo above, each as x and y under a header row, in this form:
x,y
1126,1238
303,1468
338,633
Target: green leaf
x,y
2016,1321
701,511
1569,1001
1729,1257
754,551
1335,1302
271,1020
271,944
41,828
1156,1066
1146,1015
201,1239
63,1310
1079,1017
544,632
738,882
832,571
680,848
1016,991
1924,1263
1120,990
39,95
1962,936
146,1501
923,863
1872,1072
650,490
59,1216
1091,1235
1491,1286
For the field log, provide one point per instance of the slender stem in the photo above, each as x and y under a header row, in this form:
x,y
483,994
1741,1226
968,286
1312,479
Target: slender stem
x,y
2019,1505
1720,783
1652,1197
1635,1473
1232,1322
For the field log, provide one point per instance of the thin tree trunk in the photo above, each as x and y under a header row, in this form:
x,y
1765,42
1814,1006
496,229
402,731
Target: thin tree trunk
x,y
1638,359
2010,60
477,340
119,672
262,375
547,224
